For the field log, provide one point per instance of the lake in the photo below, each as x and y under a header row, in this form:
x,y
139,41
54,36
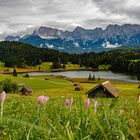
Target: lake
x,y
85,74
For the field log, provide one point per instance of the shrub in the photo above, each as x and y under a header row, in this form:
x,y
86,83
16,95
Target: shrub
x,y
8,86
26,75
139,86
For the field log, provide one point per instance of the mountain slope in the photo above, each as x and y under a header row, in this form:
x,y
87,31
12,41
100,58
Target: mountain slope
x,y
84,40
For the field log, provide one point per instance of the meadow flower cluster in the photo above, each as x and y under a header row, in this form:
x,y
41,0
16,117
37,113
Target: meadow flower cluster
x,y
68,101
43,99
69,118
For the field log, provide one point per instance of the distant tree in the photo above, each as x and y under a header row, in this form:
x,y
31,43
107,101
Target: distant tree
x,y
99,79
90,77
14,72
93,77
39,68
56,64
64,66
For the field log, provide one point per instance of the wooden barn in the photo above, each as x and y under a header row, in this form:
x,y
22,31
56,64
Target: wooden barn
x,y
105,89
26,91
78,87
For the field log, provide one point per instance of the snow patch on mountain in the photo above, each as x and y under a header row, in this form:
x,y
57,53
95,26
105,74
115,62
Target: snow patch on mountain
x,y
49,46
61,48
107,44
76,44
48,37
41,45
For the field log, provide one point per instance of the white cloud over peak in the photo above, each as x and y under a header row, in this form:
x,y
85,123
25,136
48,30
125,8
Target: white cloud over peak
x,y
17,16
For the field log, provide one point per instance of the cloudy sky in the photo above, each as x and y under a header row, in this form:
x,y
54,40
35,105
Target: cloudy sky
x,y
22,16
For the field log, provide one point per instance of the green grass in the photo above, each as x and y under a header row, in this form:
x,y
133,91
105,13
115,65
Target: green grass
x,y
115,119
45,66
58,86
24,119
104,67
2,66
135,60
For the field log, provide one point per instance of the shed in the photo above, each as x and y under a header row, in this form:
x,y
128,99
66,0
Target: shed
x,y
78,88
106,89
26,90
75,84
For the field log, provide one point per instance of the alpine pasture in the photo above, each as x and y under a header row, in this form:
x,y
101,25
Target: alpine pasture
x,y
110,119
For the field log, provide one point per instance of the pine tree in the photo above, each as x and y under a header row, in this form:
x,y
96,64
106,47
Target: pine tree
x,y
14,72
93,78
90,76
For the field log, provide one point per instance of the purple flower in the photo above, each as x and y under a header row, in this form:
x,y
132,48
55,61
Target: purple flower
x,y
43,99
46,99
87,103
69,102
3,96
138,97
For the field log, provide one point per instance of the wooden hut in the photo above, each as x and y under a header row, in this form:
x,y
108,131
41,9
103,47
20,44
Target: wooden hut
x,y
26,90
75,84
78,88
105,89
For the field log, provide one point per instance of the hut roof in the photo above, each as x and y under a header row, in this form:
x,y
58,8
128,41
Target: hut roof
x,y
28,89
109,87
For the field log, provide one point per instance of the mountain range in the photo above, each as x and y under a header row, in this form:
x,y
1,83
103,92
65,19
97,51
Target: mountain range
x,y
83,40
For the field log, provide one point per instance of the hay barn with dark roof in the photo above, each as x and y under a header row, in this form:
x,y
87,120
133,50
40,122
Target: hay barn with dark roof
x,y
26,90
105,89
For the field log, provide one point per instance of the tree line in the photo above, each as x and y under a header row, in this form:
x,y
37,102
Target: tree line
x,y
17,54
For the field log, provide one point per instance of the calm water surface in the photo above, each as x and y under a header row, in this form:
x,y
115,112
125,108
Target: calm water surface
x,y
84,74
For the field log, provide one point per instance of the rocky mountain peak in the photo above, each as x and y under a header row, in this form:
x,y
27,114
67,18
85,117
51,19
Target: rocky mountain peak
x,y
48,32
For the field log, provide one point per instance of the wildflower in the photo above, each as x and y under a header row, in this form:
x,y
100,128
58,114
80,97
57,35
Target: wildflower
x,y
46,99
95,103
139,98
3,96
43,99
87,103
69,102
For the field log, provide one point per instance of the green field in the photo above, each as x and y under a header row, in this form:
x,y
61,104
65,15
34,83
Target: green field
x,y
24,118
45,66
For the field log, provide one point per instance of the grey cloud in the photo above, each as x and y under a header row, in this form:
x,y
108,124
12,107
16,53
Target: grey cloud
x,y
20,16
120,7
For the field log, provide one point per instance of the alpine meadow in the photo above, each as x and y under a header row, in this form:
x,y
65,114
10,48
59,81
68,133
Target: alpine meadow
x,y
69,70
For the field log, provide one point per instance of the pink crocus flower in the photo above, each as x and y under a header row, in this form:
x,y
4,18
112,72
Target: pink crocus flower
x,y
43,99
46,99
3,96
139,98
69,102
95,103
87,103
